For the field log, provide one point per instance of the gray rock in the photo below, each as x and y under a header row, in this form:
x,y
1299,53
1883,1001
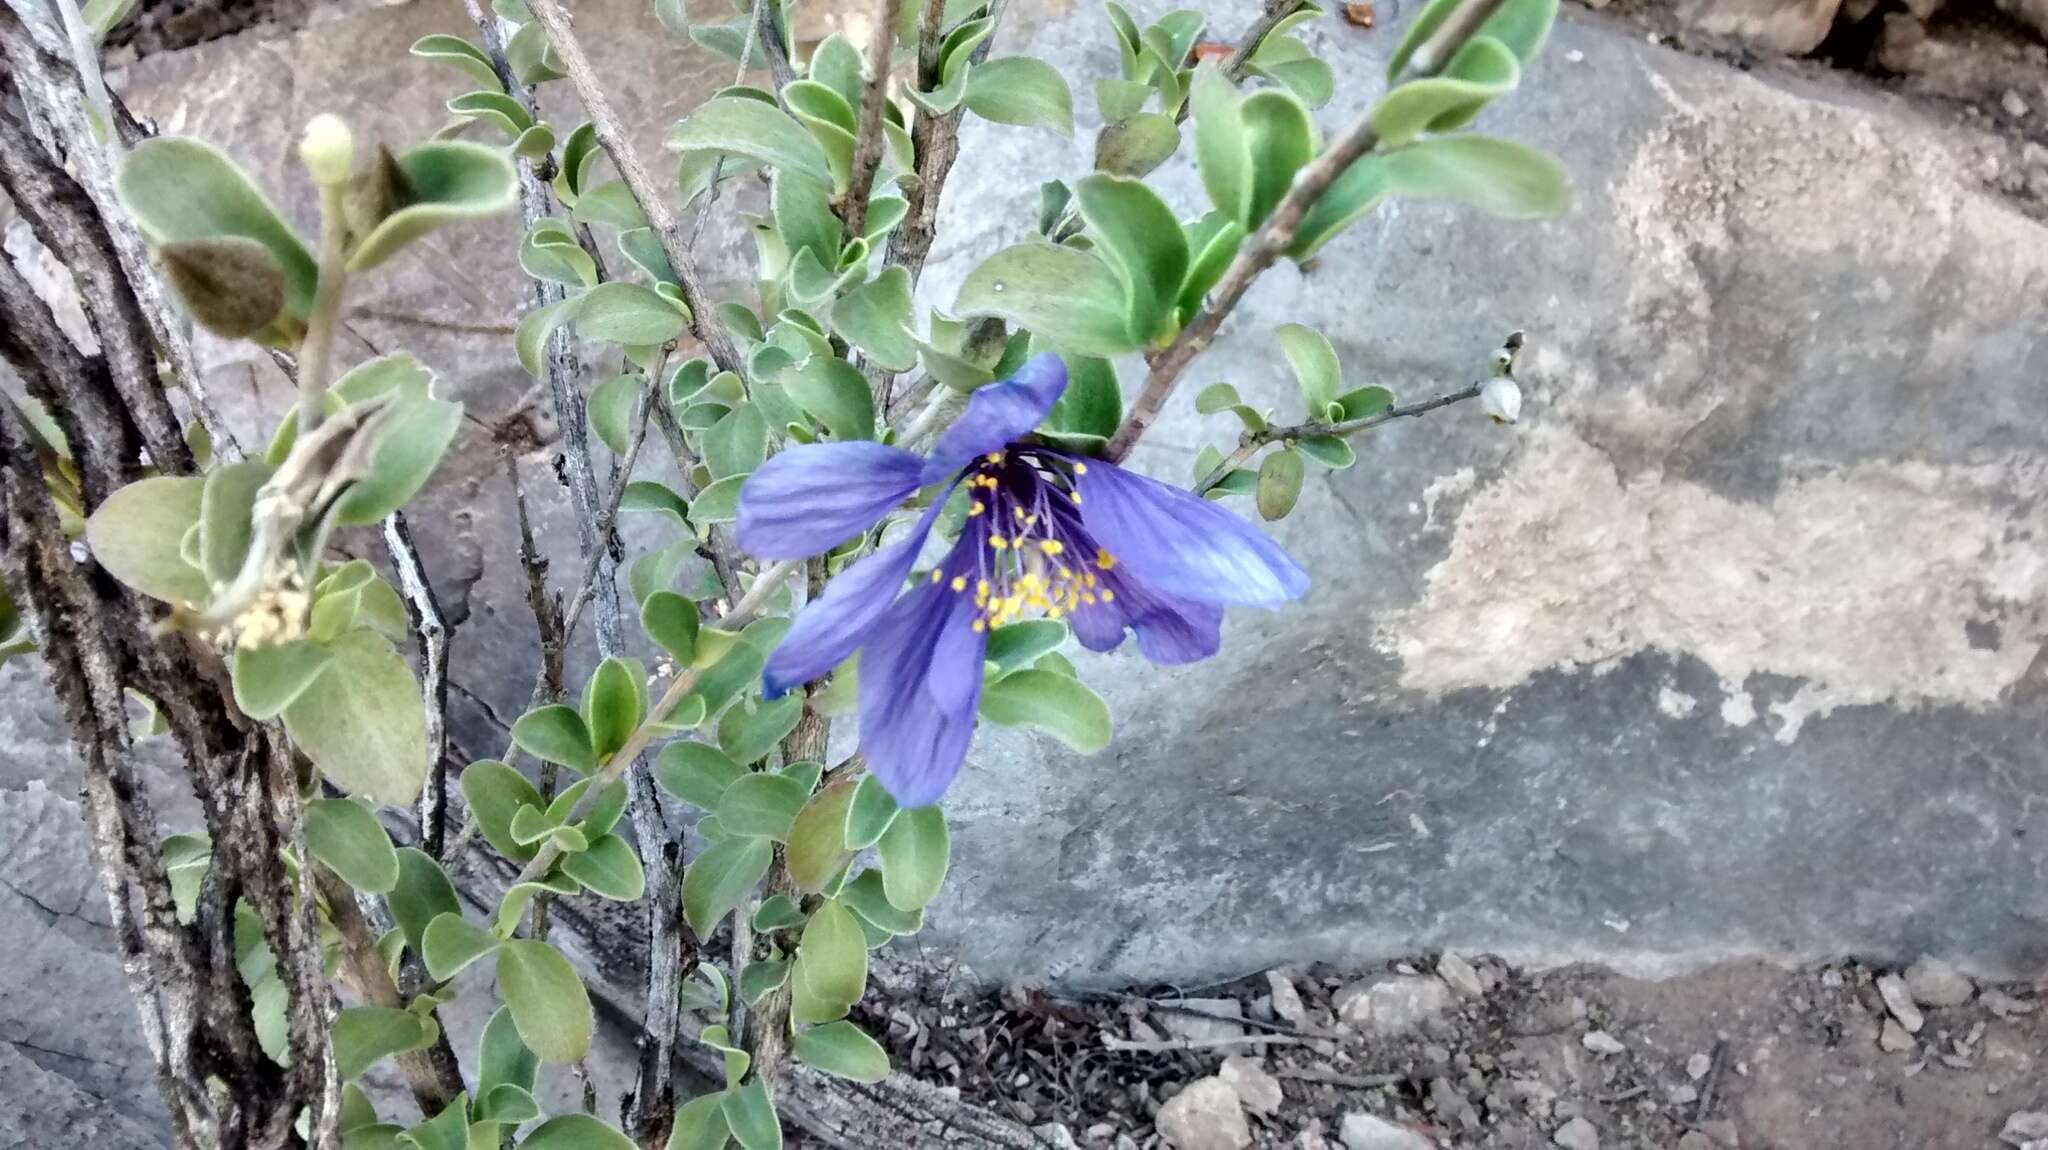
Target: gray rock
x,y
1205,1116
1694,1140
1578,1134
1460,976
1696,1067
1899,1001
1362,1131
1895,1038
1286,999
1794,27
1933,982
1392,1004
1196,1027
2024,1127
1723,1134
1602,1043
1259,1091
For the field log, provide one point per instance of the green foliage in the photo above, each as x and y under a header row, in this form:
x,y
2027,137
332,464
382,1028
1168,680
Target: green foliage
x,y
915,852
495,793
749,731
547,1000
180,189
750,1112
1021,90
422,894
452,942
763,803
1280,478
1072,298
1499,177
762,132
364,1034
344,834
365,727
267,679
697,773
843,1049
556,733
1136,235
871,810
817,841
831,970
1055,704
138,535
719,878
614,701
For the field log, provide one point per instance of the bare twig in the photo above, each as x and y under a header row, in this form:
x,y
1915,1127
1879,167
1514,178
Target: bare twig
x,y
1110,1042
1249,444
935,139
1262,250
760,16
869,141
432,1073
653,202
430,623
1234,67
768,31
608,519
1331,1077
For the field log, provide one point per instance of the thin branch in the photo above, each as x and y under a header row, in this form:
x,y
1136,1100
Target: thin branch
x,y
1262,250
774,40
1110,1042
431,1073
1249,444
608,519
935,140
754,22
869,141
1240,57
650,197
430,624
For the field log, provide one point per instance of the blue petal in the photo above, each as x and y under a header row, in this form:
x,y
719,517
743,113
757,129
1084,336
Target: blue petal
x,y
998,414
1182,545
811,498
829,629
915,737
1170,631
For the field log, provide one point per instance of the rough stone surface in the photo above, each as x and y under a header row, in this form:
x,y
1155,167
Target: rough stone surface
x,y
1636,681
1286,998
1205,1116
1459,976
1393,1004
2024,1126
1933,982
1895,1038
1362,1131
1794,27
1198,1027
1259,1091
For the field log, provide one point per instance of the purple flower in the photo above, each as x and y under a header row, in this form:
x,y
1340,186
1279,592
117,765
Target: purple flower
x,y
1047,533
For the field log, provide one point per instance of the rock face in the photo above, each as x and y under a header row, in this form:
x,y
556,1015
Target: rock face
x,y
1205,1116
1794,27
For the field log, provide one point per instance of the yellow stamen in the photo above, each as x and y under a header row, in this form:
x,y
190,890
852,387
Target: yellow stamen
x,y
1052,547
937,575
959,582
975,508
1108,596
1080,468
1104,559
998,542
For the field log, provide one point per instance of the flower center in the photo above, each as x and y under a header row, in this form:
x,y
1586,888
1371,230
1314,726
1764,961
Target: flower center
x,y
1032,558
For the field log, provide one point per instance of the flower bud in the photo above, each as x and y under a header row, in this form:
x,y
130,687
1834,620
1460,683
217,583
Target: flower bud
x,y
328,150
1501,398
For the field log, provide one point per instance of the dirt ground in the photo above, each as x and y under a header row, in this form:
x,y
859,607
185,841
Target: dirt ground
x,y
1483,1055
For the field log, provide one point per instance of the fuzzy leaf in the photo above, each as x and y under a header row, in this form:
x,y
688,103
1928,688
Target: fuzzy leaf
x,y
750,128
1022,90
721,877
547,1000
365,727
1070,297
138,535
1051,703
345,835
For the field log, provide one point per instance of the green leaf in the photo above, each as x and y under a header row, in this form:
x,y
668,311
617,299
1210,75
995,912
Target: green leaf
x,y
138,534
1332,451
696,773
871,809
843,1049
448,1130
614,701
1482,71
750,1112
831,968
531,58
1055,704
1019,644
876,317
867,896
224,516
364,1034
610,410
1364,401
447,182
1137,235
605,809
416,434
365,728
609,869
1137,145
762,978
550,252
817,842
267,679
186,858
745,127
495,792
1499,177
1280,138
458,53
231,285
1120,99
1213,241
802,210
182,189
346,836
556,734
736,444
1521,25
502,1059
495,108
1022,90
1222,146
1090,408
830,120
917,849
718,503
1288,62
700,1124
1070,297
576,1132
1315,365
103,16
422,894
547,1000
671,621
778,912
763,804
749,733
1279,484
721,878
451,943
356,1109
833,392
627,313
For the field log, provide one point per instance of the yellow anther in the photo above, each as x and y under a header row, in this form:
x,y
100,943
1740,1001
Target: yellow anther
x,y
1108,596
1052,547
1053,612
1104,559
978,626
959,582
975,508
937,575
998,542
1080,468
994,457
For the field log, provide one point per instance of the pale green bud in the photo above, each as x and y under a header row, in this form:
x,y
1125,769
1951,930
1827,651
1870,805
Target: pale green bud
x,y
328,150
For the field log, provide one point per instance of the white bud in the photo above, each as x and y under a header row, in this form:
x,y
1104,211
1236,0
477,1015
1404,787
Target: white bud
x,y
328,150
1501,398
